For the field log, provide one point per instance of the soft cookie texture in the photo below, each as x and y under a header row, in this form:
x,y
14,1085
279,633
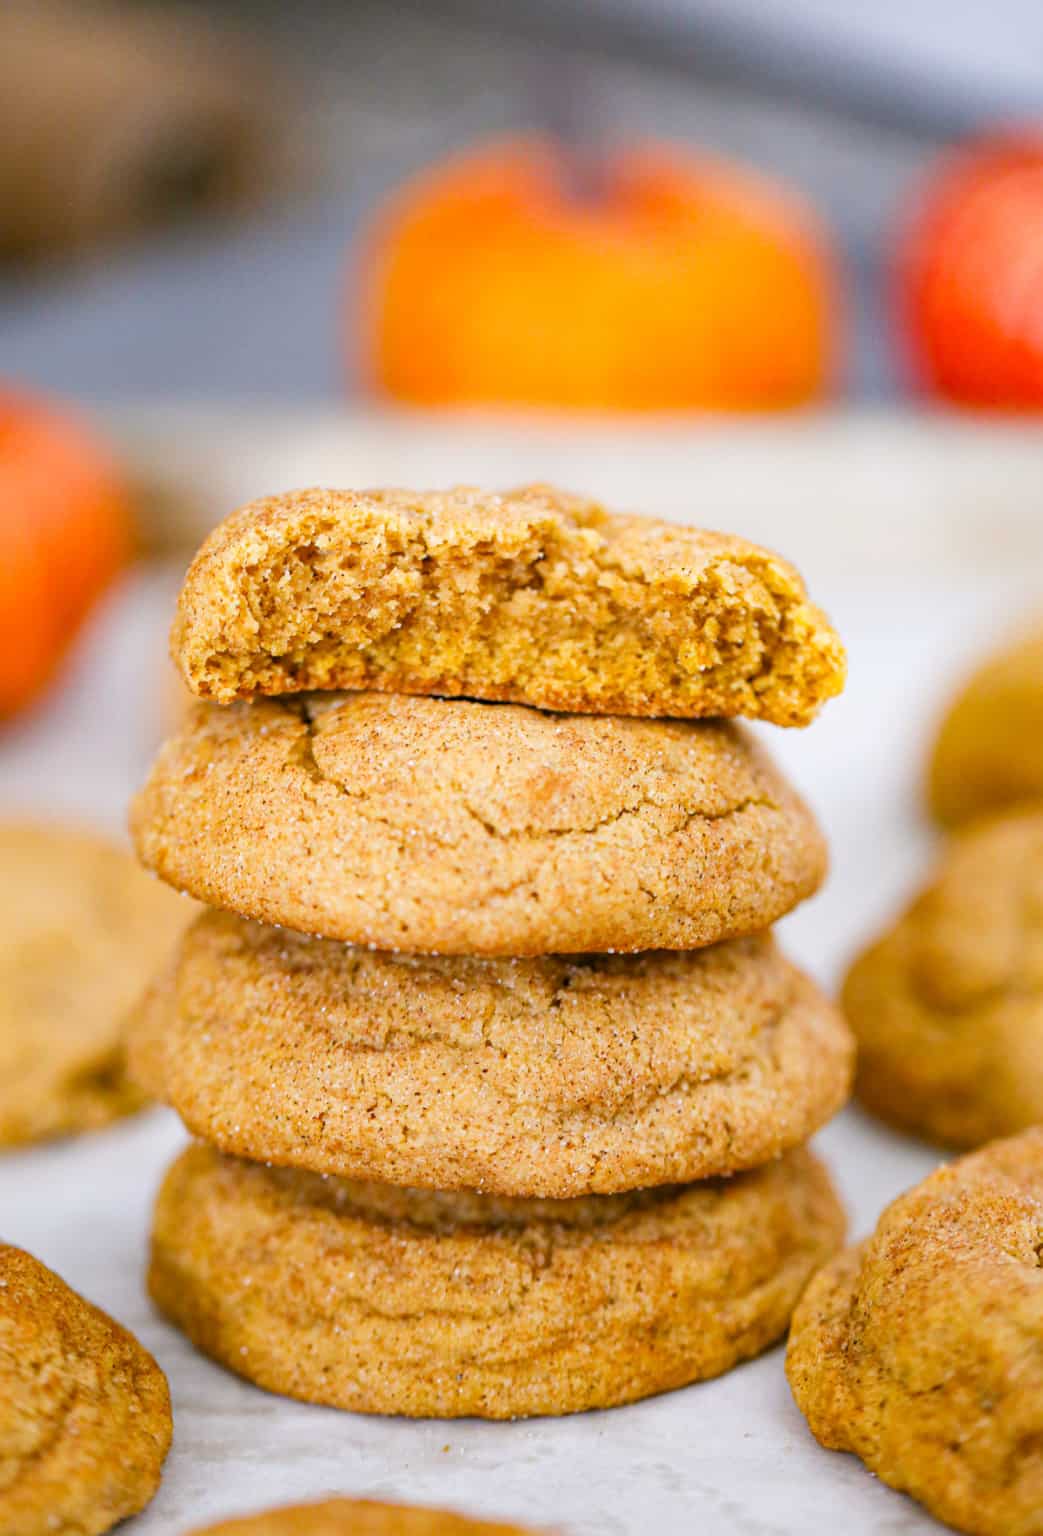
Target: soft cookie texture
x,y
921,1350
549,1077
989,751
84,1409
358,1517
83,932
947,1007
532,596
386,1300
452,827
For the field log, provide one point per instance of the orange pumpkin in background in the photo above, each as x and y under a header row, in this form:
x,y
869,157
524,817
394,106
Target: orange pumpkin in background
x,y
64,534
970,277
663,281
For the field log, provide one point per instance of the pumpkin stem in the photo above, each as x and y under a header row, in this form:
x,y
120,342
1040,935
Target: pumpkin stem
x,y
564,100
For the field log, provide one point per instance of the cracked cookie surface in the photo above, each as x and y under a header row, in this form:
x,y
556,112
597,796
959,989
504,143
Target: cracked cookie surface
x,y
921,1350
83,932
550,1077
84,1409
453,827
989,752
358,1517
386,1300
533,596
947,1007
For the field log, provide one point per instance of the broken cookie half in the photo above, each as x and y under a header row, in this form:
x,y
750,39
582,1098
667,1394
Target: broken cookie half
x,y
533,597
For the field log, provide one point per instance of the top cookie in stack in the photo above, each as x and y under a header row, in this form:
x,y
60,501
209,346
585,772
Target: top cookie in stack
x,y
470,727
532,597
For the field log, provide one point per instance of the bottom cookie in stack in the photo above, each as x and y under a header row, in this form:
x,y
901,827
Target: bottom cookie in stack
x,y
596,1102
402,1301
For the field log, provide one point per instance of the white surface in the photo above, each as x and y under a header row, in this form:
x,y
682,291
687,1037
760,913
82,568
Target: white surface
x,y
731,1456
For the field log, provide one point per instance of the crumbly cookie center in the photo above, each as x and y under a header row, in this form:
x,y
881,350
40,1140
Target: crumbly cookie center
x,y
552,602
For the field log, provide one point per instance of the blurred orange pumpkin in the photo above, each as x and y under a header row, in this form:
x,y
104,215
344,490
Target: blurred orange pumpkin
x,y
64,533
970,276
672,282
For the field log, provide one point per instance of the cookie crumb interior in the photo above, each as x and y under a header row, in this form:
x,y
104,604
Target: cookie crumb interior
x,y
533,597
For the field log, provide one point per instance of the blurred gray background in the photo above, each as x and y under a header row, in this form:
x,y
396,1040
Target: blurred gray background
x,y
850,103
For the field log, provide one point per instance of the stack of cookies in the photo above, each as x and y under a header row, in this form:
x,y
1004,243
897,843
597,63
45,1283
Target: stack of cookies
x,y
500,1080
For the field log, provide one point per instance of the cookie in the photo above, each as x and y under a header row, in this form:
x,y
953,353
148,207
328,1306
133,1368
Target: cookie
x,y
84,1409
358,1517
549,1077
83,930
533,597
947,1007
922,1349
989,751
452,827
386,1300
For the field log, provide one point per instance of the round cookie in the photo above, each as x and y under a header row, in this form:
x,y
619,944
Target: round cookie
x,y
358,1517
921,1350
446,826
83,931
385,1300
947,1007
84,1409
989,752
552,1077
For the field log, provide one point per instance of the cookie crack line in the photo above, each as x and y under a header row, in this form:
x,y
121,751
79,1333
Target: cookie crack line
x,y
520,834
303,751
